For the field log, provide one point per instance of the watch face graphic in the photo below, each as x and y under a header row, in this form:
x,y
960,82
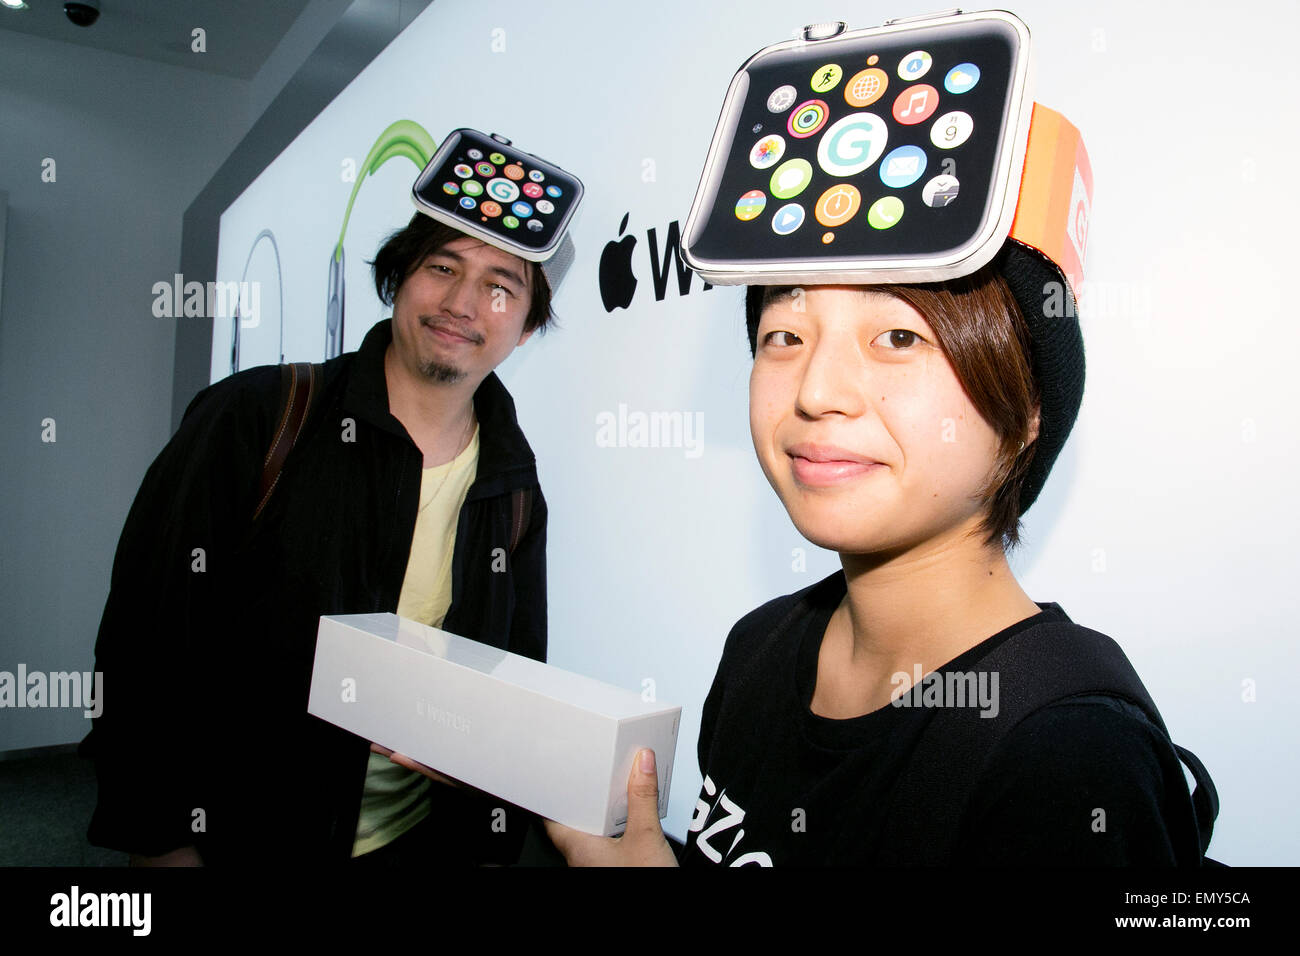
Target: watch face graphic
x,y
896,144
505,196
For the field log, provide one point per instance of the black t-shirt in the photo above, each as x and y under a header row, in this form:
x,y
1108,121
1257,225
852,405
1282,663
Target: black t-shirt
x,y
1088,781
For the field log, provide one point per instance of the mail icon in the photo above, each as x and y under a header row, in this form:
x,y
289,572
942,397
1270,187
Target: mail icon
x,y
902,166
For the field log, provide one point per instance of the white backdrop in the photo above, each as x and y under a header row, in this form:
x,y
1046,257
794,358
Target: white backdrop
x,y
1168,520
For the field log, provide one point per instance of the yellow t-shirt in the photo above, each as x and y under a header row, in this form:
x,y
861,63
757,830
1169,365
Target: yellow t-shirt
x,y
393,799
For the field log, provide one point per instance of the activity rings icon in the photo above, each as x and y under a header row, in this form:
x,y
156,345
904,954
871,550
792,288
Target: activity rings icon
x,y
807,118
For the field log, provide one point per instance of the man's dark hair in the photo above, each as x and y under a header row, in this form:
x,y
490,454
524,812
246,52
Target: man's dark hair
x,y
404,250
983,334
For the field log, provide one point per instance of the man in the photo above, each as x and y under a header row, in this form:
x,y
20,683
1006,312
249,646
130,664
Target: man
x,y
399,495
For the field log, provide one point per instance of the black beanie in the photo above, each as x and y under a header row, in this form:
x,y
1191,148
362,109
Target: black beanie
x,y
1056,347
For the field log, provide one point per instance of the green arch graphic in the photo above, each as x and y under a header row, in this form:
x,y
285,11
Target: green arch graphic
x,y
403,138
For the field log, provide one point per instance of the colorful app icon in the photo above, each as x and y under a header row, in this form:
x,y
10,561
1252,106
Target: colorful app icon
x,y
767,151
781,98
503,190
916,104
902,166
522,209
828,238
497,158
838,205
467,203
826,78
514,171
545,207
951,129
486,170
751,205
962,78
787,219
866,87
852,144
885,212
536,175
807,118
463,171
475,154
472,187
451,188
914,66
532,190
554,192
510,222
535,225
490,208
940,191
791,178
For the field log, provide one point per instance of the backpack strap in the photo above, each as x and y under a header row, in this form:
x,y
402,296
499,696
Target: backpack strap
x,y
1064,660
1205,799
521,506
297,387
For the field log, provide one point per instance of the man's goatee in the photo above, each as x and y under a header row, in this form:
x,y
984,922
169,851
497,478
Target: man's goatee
x,y
443,374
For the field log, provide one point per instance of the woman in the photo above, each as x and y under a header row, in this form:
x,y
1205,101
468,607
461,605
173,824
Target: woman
x,y
908,428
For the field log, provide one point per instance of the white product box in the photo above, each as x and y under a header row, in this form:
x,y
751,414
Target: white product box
x,y
544,739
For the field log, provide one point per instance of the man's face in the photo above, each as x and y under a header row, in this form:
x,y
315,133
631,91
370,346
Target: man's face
x,y
461,312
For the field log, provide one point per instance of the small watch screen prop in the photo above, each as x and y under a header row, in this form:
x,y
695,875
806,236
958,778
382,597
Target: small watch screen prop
x,y
876,147
498,193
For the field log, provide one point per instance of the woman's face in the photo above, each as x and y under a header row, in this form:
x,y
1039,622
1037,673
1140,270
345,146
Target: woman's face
x,y
860,423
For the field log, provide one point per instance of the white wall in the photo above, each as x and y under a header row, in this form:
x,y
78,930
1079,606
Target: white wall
x,y
132,141
1167,521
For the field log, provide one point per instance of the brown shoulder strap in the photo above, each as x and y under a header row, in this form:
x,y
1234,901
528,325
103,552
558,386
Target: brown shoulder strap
x,y
521,502
297,385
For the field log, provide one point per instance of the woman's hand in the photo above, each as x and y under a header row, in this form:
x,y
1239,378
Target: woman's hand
x,y
642,843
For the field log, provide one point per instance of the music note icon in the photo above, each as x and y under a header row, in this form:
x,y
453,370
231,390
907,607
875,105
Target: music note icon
x,y
916,104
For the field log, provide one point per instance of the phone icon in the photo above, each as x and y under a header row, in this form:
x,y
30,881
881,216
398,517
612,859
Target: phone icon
x,y
885,212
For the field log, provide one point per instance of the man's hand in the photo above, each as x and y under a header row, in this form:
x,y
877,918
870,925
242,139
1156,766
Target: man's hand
x,y
642,843
404,761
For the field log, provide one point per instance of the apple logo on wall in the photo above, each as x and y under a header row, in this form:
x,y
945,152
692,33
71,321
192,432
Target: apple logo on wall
x,y
617,281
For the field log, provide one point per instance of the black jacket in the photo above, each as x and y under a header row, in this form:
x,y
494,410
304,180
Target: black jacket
x,y
209,631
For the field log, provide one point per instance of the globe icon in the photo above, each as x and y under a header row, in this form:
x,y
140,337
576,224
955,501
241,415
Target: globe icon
x,y
865,87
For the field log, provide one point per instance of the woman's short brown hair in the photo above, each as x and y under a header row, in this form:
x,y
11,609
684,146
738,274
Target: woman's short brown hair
x,y
404,250
983,334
